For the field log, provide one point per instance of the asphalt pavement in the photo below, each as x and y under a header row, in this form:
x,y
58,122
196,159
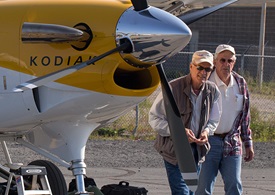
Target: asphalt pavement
x,y
255,181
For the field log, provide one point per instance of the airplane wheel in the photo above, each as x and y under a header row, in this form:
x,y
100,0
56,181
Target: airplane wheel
x,y
56,179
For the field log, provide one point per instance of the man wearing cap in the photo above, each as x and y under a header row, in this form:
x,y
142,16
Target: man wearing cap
x,y
199,103
233,129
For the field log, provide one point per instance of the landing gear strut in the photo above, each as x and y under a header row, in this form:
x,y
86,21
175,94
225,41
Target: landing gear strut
x,y
79,170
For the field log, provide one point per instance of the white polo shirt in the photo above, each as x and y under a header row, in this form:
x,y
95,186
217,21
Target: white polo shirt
x,y
232,102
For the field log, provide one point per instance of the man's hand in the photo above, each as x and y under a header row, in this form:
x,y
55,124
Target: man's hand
x,y
190,135
249,154
203,138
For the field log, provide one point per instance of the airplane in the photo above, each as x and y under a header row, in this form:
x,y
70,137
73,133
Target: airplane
x,y
68,67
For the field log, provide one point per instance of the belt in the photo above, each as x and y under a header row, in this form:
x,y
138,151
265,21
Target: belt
x,y
220,135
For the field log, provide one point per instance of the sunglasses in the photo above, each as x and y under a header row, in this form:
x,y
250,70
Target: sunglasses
x,y
229,61
200,68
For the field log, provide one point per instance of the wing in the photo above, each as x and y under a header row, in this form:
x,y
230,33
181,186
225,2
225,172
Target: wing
x,y
179,7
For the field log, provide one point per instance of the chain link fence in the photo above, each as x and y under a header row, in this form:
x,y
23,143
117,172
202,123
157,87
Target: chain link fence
x,y
262,93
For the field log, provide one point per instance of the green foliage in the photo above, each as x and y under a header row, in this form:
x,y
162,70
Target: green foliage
x,y
108,132
263,130
262,125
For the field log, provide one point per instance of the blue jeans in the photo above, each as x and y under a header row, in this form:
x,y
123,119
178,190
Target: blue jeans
x,y
229,167
176,182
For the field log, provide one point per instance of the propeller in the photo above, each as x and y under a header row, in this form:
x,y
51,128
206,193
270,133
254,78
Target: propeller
x,y
184,154
189,18
139,4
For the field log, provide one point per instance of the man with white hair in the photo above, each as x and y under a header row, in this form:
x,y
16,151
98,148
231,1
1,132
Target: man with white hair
x,y
199,104
225,154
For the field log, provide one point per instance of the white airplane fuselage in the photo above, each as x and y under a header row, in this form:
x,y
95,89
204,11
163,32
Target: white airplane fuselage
x,y
64,111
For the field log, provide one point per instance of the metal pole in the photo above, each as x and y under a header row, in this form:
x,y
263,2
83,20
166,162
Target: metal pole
x,y
261,46
137,116
242,60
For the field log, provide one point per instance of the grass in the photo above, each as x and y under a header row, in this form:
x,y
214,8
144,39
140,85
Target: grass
x,y
263,130
262,115
267,88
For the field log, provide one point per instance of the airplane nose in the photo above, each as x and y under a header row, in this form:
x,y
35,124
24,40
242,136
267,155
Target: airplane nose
x,y
155,36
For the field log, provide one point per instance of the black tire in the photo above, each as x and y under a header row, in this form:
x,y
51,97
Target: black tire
x,y
56,178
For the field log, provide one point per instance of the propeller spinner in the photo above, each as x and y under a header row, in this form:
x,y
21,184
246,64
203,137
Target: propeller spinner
x,y
155,35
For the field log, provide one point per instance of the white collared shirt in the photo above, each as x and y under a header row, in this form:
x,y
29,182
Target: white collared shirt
x,y
232,102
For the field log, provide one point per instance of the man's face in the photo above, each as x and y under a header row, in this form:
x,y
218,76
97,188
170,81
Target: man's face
x,y
224,64
200,72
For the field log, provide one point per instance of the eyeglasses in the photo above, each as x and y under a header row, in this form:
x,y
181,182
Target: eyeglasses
x,y
200,68
229,61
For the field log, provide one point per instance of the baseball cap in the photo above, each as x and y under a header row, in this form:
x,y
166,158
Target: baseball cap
x,y
224,47
203,56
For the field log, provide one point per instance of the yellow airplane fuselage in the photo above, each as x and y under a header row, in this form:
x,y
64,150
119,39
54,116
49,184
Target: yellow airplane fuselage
x,y
40,58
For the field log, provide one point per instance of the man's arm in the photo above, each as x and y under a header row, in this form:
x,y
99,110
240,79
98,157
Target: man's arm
x,y
157,117
246,133
215,114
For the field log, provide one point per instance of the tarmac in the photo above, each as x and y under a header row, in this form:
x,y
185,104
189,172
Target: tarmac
x,y
255,181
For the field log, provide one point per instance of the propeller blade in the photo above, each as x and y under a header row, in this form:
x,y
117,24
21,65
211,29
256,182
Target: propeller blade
x,y
189,18
139,4
39,81
181,144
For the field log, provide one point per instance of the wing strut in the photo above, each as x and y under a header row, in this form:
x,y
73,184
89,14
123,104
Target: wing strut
x,y
181,144
33,83
189,18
